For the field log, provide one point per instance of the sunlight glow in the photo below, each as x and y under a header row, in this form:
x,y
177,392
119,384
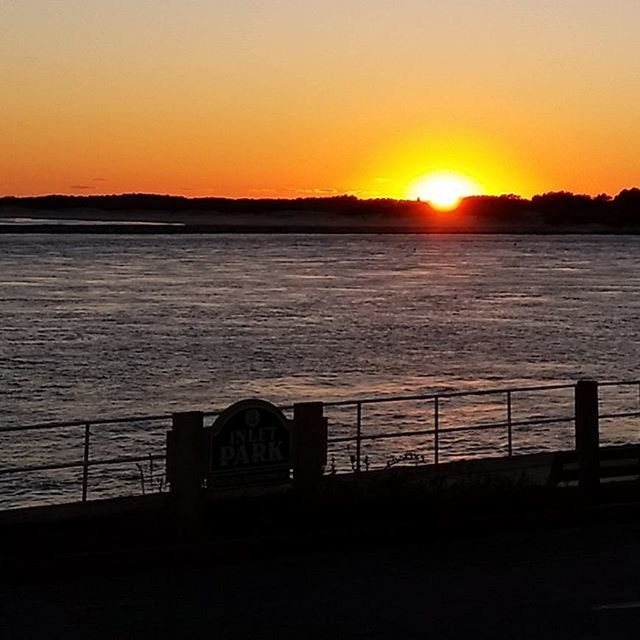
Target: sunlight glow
x,y
444,190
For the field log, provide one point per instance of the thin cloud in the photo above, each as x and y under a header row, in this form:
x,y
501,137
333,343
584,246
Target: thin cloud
x,y
81,187
321,191
316,191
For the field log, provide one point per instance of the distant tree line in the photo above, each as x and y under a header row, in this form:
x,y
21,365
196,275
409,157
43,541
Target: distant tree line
x,y
550,208
561,207
152,202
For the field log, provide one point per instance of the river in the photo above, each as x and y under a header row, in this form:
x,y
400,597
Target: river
x,y
109,325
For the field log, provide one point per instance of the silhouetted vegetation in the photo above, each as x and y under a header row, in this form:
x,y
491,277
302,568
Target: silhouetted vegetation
x,y
546,211
152,202
560,207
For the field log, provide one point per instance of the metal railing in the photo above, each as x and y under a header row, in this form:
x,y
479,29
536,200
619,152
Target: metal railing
x,y
509,425
86,462
356,433
436,431
86,428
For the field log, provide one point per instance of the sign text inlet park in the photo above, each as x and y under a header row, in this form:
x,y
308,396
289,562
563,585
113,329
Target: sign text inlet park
x,y
250,445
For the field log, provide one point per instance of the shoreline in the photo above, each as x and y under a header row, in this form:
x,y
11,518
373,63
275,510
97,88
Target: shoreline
x,y
294,219
160,228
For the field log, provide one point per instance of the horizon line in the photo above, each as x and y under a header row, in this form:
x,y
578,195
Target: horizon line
x,y
306,197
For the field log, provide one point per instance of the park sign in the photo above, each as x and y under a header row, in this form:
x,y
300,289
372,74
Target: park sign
x,y
249,445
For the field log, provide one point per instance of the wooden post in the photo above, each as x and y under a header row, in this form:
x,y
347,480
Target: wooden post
x,y
184,467
308,444
587,437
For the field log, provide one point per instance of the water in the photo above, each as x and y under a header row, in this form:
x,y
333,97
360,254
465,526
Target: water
x,y
96,326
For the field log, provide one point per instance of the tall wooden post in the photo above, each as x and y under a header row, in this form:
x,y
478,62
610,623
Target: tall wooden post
x,y
587,436
184,467
308,444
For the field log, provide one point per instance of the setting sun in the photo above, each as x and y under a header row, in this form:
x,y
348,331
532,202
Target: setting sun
x,y
444,190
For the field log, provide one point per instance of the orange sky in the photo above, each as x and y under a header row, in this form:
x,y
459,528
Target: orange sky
x,y
292,98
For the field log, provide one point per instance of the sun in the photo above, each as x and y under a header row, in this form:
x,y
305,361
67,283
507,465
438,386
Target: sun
x,y
444,190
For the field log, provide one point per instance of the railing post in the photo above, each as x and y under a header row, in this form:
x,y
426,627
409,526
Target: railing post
x,y
587,436
509,428
358,434
185,468
436,429
85,462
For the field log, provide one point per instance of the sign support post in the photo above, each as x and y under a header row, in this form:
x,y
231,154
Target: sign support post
x,y
587,437
308,444
184,467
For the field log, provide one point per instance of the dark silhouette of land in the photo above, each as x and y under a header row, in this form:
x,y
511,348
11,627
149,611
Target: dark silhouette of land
x,y
557,212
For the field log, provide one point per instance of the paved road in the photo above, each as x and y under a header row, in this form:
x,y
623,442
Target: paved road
x,y
563,583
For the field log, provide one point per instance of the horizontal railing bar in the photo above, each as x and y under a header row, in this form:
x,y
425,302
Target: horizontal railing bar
x,y
346,403
42,467
502,425
632,414
110,461
613,383
335,403
74,465
398,434
102,421
443,431
97,421
82,423
339,439
448,394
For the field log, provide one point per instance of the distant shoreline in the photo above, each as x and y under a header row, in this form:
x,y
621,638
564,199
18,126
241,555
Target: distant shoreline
x,y
144,214
173,229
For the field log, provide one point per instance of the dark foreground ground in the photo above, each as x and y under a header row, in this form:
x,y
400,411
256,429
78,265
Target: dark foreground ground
x,y
564,581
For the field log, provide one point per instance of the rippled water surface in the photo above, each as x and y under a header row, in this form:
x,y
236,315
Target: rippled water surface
x,y
115,325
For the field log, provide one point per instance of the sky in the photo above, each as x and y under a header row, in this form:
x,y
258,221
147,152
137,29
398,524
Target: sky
x,y
291,98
